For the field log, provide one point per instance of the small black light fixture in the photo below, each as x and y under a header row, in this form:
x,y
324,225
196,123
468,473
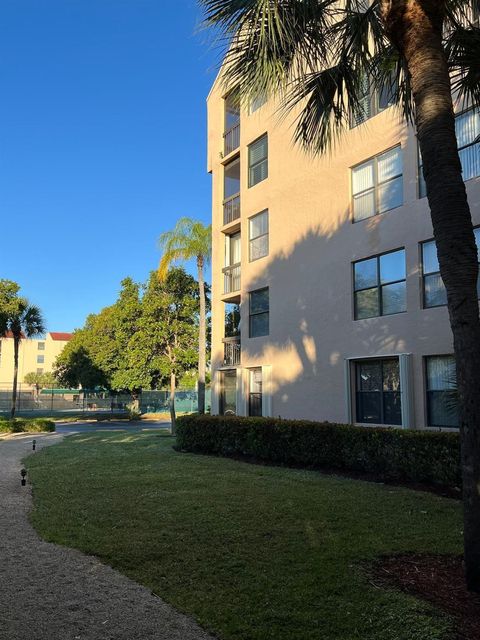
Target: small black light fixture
x,y
34,444
23,473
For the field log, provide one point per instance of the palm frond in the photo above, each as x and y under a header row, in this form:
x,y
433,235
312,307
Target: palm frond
x,y
188,239
463,51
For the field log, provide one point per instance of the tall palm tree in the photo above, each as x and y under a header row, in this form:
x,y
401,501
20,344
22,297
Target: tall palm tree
x,y
316,57
22,321
190,239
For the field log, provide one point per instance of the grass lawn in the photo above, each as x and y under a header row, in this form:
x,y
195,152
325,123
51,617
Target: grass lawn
x,y
252,552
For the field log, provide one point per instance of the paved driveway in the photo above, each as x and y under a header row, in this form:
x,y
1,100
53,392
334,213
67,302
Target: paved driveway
x,y
48,592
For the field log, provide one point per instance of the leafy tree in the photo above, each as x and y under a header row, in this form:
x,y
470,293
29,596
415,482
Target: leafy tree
x,y
316,56
75,367
166,343
20,319
40,380
191,239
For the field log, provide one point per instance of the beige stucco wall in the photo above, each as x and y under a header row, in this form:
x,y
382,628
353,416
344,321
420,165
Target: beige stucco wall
x,y
313,243
27,361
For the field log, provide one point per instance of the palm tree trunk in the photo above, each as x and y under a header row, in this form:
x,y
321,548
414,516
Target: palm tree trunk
x,y
16,346
418,36
173,418
202,341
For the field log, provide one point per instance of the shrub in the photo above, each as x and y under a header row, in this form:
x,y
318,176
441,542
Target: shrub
x,y
26,425
387,453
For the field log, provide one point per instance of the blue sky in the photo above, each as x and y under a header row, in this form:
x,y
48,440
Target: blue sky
x,y
102,143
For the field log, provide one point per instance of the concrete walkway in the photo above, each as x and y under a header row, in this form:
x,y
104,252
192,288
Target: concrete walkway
x,y
93,427
48,592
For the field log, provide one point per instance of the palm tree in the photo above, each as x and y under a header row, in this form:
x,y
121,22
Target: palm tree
x,y
22,321
317,57
190,239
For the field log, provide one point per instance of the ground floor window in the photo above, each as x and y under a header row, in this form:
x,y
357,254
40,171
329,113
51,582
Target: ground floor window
x,y
255,392
378,398
442,407
228,392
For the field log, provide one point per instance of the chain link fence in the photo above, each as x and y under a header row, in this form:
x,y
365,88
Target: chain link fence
x,y
57,402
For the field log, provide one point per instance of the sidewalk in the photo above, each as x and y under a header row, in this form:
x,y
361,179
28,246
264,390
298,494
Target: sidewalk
x,y
48,592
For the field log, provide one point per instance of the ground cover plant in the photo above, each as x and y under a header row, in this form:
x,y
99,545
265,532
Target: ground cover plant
x,y
26,425
250,551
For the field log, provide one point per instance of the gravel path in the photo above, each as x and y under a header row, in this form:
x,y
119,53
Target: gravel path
x,y
48,592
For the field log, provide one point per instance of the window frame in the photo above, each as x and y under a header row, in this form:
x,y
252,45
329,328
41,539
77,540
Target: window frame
x,y
41,359
428,391
255,394
371,96
41,346
420,178
374,159
258,313
251,166
424,275
377,360
379,285
263,235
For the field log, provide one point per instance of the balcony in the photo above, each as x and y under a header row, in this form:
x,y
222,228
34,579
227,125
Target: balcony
x,y
231,139
231,278
231,351
231,209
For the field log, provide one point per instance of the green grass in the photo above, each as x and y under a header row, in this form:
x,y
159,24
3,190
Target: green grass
x,y
253,552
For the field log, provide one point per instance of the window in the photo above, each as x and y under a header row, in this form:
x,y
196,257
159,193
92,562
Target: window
x,y
41,346
434,293
232,122
232,270
39,370
442,407
258,101
40,359
379,285
378,393
258,236
377,185
259,313
232,320
467,129
255,392
228,392
373,101
231,191
258,161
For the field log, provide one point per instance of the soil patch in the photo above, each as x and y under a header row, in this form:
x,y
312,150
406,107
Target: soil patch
x,y
438,580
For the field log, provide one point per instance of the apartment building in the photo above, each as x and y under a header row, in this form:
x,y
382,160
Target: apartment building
x,y
327,303
37,355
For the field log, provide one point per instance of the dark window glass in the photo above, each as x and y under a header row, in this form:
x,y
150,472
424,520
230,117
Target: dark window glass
x,y
259,313
442,401
434,292
232,179
228,393
380,285
378,392
258,161
255,392
232,320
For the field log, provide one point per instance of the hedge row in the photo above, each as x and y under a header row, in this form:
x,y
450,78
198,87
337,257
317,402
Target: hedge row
x,y
26,425
388,454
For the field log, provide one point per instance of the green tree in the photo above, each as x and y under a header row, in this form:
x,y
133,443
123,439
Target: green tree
x,y
316,56
165,346
20,319
40,380
190,239
74,367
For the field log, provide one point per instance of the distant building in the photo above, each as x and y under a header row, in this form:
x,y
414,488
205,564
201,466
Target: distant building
x,y
37,355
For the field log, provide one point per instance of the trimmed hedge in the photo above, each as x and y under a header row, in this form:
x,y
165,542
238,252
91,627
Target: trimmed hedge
x,y
26,425
387,453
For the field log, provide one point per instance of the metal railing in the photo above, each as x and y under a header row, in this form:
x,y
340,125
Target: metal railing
x,y
231,351
231,278
231,208
231,139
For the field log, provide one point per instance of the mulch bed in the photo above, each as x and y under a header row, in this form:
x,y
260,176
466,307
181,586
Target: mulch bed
x,y
438,580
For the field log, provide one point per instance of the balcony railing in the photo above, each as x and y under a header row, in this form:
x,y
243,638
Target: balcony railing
x,y
231,278
231,208
231,139
231,351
